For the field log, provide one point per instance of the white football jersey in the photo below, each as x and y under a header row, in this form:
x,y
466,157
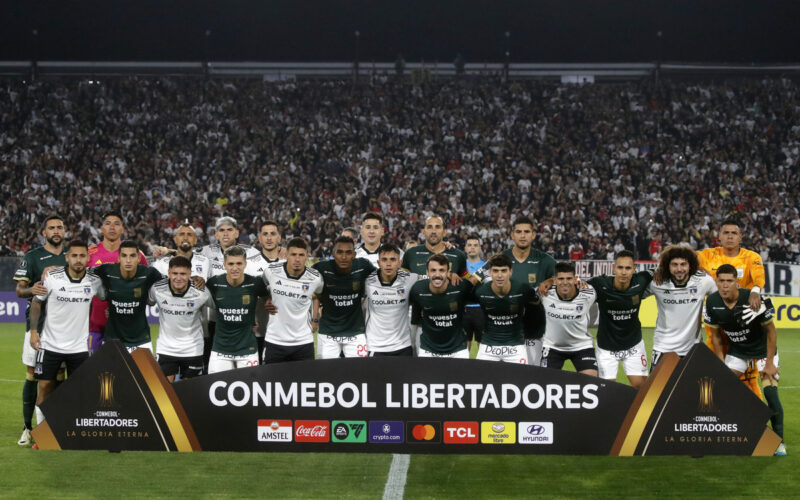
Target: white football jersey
x,y
216,256
66,325
255,267
293,298
567,327
678,326
387,317
201,266
180,332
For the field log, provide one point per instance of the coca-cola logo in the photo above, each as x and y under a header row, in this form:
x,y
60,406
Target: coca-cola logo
x,y
312,431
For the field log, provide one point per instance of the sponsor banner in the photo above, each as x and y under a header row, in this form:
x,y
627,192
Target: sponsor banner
x,y
787,312
12,308
119,401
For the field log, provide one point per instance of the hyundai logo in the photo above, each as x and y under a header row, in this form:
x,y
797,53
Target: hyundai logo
x,y
535,429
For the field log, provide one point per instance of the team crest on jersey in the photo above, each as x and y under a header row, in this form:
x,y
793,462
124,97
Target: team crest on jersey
x,y
401,291
531,277
579,308
87,290
356,286
454,306
693,291
137,292
190,304
305,287
635,300
198,269
245,299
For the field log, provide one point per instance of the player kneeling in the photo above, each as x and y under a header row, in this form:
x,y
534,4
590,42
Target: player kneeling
x,y
234,296
180,336
567,334
503,303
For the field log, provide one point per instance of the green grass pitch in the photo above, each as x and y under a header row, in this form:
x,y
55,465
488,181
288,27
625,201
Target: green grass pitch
x,y
30,473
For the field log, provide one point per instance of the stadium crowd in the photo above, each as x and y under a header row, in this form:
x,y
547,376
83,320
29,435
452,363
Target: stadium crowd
x,y
599,167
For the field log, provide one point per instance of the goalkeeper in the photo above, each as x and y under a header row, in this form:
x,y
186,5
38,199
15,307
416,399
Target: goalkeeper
x,y
752,336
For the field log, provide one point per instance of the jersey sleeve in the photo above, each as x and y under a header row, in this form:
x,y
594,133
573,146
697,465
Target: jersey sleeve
x,y
708,319
261,288
24,271
756,268
710,286
151,296
48,283
461,265
142,258
97,286
548,268
415,307
153,276
404,262
319,286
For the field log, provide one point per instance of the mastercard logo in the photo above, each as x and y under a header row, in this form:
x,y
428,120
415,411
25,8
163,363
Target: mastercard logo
x,y
423,432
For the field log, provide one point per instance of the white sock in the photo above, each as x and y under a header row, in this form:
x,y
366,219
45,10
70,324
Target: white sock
x,y
39,415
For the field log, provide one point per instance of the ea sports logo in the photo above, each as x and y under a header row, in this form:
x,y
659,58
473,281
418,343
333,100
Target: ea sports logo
x,y
341,431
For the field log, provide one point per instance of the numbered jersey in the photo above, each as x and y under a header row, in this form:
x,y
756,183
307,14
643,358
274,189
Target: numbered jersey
x,y
387,322
678,326
66,328
342,314
567,326
30,269
201,266
236,306
293,298
180,332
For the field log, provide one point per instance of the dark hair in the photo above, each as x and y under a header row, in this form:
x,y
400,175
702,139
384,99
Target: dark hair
x,y
474,236
51,217
297,243
268,222
128,244
345,240
731,221
76,243
624,253
727,269
439,259
113,213
500,260
565,267
235,251
675,252
181,261
372,215
522,220
351,230
389,247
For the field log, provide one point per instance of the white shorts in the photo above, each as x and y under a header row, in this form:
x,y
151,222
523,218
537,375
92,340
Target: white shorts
x,y
219,362
506,353
28,352
634,362
462,354
354,346
533,347
147,345
761,363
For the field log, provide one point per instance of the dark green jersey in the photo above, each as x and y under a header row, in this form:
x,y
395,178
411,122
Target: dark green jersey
x,y
342,314
416,260
31,268
236,312
440,316
747,342
619,327
535,268
127,302
504,314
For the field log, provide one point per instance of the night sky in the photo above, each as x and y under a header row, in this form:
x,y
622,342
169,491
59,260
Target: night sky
x,y
733,31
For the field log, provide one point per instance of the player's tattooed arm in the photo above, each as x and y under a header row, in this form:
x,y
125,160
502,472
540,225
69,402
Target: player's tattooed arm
x,y
25,292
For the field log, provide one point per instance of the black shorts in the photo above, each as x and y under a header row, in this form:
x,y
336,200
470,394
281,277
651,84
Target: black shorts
x,y
533,322
276,353
185,367
657,355
405,351
581,360
474,322
49,362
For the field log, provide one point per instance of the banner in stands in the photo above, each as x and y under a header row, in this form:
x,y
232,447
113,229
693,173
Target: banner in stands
x,y
116,401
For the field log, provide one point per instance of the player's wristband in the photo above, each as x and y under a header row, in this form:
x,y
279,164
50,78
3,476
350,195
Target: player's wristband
x,y
756,289
315,320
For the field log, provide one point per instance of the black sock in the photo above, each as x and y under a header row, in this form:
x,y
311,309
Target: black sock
x,y
774,403
29,392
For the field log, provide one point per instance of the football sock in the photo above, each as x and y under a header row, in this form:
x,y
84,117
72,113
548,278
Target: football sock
x,y
774,403
29,391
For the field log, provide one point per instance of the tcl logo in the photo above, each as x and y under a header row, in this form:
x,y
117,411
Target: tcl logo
x,y
460,432
312,431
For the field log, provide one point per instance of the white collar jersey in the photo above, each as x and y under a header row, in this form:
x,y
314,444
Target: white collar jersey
x,y
387,319
678,326
180,331
201,266
216,256
567,327
292,297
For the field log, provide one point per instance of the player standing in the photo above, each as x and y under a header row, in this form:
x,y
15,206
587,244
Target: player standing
x,y
292,287
185,239
567,335
269,238
751,275
341,325
234,294
680,289
503,302
179,346
752,336
372,231
386,294
438,307
474,320
64,336
29,277
127,285
619,335
105,252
